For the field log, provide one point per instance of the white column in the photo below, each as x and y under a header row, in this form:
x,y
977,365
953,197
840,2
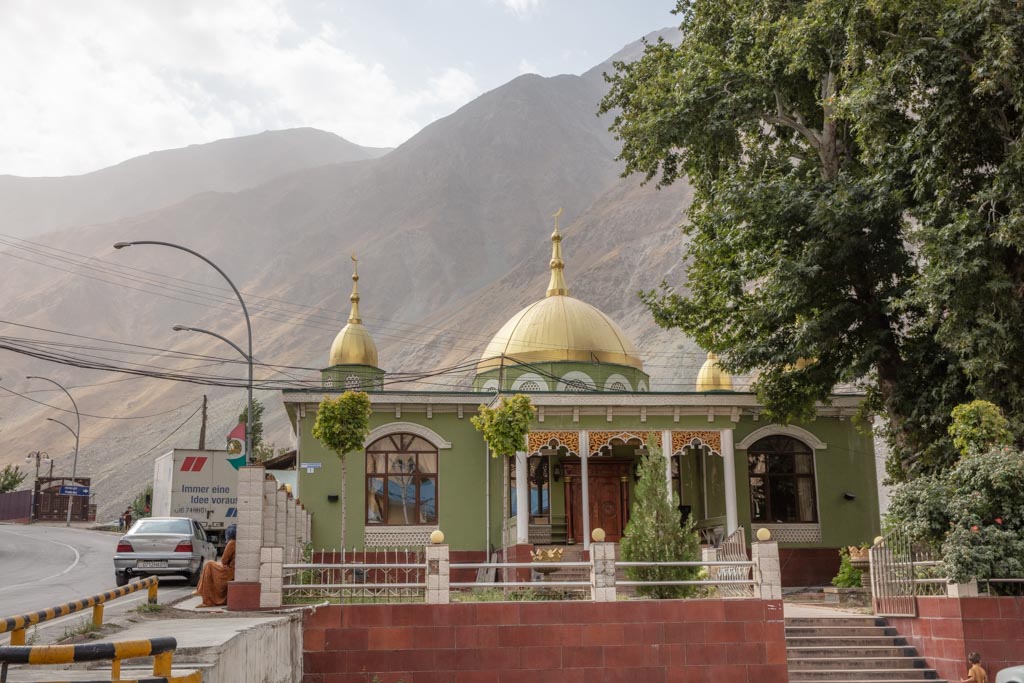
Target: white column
x,y
666,450
729,455
522,499
585,483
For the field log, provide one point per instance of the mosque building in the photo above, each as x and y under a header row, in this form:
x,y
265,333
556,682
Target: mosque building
x,y
425,467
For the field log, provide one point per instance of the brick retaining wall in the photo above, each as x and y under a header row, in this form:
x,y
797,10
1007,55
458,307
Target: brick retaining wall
x,y
739,641
947,629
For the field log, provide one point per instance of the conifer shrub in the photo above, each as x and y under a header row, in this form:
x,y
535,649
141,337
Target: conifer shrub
x,y
654,533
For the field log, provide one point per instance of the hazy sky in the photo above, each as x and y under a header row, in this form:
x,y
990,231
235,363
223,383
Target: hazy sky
x,y
86,84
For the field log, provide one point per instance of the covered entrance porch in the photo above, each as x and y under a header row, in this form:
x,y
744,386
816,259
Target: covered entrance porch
x,y
566,496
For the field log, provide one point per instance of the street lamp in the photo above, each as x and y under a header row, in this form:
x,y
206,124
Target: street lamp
x,y
76,432
38,456
248,325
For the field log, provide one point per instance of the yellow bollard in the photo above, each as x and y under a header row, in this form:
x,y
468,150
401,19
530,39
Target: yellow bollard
x,y
115,669
18,636
152,593
162,664
97,615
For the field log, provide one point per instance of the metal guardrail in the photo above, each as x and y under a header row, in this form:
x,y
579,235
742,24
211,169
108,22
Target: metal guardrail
x,y
160,649
16,625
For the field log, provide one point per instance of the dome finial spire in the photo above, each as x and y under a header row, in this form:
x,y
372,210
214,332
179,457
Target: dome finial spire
x,y
353,316
557,286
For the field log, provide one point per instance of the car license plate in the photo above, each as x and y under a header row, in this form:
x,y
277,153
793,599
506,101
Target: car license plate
x,y
151,564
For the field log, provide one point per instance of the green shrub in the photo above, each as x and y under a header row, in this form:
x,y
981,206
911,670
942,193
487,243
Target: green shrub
x,y
848,576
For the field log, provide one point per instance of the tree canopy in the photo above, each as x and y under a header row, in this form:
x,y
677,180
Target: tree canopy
x,y
11,478
856,169
342,424
505,428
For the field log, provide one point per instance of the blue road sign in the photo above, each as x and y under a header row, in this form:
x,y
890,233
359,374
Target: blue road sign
x,y
74,490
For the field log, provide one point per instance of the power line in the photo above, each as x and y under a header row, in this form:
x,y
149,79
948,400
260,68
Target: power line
x,y
173,432
98,417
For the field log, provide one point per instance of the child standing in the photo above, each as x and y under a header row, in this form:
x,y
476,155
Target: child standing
x,y
976,674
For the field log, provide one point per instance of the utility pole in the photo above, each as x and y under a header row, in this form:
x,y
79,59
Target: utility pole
x,y
37,456
202,428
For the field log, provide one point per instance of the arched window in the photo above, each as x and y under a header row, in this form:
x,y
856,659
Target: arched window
x,y
782,487
576,385
617,386
353,383
401,481
529,385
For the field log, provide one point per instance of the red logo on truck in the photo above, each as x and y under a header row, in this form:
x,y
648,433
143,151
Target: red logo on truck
x,y
193,463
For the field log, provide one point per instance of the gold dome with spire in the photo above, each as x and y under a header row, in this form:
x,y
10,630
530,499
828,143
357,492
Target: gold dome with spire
x,y
559,328
354,345
712,377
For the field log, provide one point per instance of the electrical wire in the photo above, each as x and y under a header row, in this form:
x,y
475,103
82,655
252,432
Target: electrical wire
x,y
98,417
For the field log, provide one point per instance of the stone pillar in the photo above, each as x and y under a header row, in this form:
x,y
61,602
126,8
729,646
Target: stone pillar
x,y
666,451
244,591
602,572
289,530
300,528
282,517
767,571
729,456
962,590
522,499
437,574
309,526
270,512
271,573
585,487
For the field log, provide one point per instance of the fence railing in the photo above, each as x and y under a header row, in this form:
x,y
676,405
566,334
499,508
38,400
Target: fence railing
x,y
435,579
160,649
17,624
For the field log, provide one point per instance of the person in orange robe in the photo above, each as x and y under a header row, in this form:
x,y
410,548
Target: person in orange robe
x,y
213,583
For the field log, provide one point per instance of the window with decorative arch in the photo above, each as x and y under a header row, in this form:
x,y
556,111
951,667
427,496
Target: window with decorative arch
x,y
529,385
401,481
353,383
782,484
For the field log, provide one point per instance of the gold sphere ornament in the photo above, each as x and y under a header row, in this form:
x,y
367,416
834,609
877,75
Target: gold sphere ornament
x,y
597,535
763,534
437,537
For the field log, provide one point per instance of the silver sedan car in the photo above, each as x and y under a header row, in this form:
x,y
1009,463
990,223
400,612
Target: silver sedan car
x,y
164,546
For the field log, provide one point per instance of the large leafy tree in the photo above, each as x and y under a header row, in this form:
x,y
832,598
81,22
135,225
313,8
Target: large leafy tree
x,y
342,424
820,251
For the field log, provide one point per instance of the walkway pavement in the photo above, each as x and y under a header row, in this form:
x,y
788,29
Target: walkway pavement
x,y
803,610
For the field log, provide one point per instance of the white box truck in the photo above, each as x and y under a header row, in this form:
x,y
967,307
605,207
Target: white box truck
x,y
202,485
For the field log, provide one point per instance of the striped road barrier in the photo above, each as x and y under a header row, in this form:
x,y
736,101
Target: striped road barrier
x,y
16,625
160,649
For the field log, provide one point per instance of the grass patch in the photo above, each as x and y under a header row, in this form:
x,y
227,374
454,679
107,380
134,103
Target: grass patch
x,y
147,608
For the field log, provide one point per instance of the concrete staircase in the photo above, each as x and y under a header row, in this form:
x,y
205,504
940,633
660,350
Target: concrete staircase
x,y
851,649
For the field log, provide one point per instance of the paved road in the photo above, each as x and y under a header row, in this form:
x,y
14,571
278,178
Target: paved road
x,y
43,566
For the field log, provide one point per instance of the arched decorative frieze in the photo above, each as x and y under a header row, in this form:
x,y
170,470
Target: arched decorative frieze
x,y
576,381
642,386
602,441
530,381
617,382
407,428
786,430
688,439
535,441
490,385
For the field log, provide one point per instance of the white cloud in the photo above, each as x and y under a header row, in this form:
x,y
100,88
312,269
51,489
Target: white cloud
x,y
527,67
521,7
90,84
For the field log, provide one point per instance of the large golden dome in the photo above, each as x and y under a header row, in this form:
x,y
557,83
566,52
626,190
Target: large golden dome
x,y
354,345
560,328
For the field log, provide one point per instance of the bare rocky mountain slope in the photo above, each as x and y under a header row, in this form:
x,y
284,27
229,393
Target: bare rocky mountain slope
x,y
452,233
32,206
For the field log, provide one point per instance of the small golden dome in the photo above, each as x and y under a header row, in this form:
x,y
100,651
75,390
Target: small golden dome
x,y
712,377
354,345
560,328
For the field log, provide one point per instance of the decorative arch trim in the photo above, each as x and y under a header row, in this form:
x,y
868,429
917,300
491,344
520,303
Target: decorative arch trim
x,y
529,377
408,428
621,379
575,376
784,430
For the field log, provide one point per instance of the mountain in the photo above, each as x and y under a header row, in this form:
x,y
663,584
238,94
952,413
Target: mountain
x,y
451,229
31,206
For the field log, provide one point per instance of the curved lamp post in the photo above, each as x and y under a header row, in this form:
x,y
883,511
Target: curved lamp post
x,y
76,432
248,325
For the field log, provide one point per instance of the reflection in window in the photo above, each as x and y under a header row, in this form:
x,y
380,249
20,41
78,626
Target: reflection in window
x,y
537,467
401,481
782,488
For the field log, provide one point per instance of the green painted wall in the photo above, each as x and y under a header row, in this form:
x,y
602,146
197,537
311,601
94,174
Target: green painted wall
x,y
846,465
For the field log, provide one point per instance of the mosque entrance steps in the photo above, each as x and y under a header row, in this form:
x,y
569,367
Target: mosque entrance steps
x,y
853,649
